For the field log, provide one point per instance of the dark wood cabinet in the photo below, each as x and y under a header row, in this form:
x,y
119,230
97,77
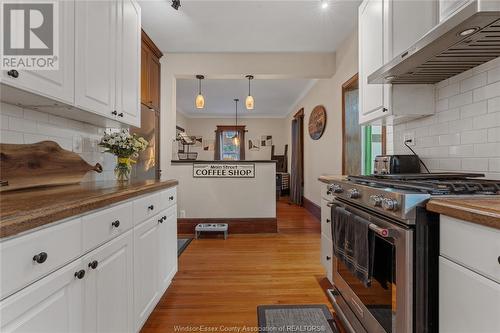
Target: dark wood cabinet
x,y
150,73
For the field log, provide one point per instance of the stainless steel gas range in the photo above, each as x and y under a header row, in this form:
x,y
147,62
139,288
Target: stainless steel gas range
x,y
403,294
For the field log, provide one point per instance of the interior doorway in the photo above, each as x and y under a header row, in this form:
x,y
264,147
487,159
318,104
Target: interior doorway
x,y
351,130
297,162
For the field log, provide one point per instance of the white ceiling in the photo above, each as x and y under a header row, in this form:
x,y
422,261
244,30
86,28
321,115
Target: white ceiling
x,y
273,98
249,26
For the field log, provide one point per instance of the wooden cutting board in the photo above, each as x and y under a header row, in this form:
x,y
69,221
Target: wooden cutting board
x,y
40,164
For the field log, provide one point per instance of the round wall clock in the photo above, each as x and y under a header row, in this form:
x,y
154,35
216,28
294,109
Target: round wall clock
x,y
317,122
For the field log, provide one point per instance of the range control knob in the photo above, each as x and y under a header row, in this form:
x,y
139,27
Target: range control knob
x,y
390,204
354,193
336,188
376,200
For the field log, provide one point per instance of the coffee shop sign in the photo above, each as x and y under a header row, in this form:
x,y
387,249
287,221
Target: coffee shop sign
x,y
224,170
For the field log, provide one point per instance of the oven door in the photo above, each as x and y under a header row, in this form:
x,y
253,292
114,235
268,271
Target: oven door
x,y
387,304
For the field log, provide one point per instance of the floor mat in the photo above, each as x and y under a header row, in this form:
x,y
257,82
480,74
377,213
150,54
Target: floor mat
x,y
182,244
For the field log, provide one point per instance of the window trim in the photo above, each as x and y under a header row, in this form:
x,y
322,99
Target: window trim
x,y
218,142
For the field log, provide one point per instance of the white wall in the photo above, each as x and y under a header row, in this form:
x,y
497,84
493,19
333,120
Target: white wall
x,y
255,127
229,65
324,156
464,134
29,126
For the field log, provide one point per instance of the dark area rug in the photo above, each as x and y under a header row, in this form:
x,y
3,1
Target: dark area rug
x,y
295,318
182,244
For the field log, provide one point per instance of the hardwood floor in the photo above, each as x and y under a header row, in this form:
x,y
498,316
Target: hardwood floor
x,y
220,282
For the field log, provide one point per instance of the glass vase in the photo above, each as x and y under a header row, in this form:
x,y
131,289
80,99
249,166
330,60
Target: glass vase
x,y
123,169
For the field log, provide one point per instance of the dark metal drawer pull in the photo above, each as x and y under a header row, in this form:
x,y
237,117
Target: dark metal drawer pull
x,y
13,73
328,258
93,264
80,274
116,224
151,207
40,257
171,198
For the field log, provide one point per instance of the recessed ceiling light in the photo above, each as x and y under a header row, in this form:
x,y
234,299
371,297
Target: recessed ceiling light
x,y
324,4
468,32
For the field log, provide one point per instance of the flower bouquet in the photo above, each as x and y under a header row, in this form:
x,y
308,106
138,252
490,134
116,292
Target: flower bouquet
x,y
125,147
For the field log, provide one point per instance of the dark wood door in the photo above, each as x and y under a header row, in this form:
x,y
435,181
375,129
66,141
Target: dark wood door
x,y
145,56
154,82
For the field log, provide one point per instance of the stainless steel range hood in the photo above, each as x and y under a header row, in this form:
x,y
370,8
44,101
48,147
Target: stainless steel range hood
x,y
465,40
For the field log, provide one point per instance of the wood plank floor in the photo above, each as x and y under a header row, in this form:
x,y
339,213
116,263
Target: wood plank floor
x,y
220,282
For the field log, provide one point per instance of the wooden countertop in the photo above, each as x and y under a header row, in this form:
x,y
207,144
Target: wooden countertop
x,y
484,210
328,179
27,209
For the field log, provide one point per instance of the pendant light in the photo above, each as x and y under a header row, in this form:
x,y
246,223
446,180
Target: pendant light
x,y
249,102
200,100
236,139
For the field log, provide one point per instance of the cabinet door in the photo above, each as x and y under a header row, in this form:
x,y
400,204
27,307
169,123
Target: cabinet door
x,y
145,57
55,84
154,82
95,33
146,270
52,304
168,248
327,256
128,62
371,56
109,287
468,302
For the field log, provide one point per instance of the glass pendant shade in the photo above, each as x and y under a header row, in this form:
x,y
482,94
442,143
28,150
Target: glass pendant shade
x,y
200,101
236,140
249,102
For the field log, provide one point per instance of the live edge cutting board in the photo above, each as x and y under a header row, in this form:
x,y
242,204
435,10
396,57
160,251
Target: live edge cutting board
x,y
41,164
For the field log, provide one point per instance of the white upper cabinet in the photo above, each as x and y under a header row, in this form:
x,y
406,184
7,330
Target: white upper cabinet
x,y
95,32
128,62
55,84
387,28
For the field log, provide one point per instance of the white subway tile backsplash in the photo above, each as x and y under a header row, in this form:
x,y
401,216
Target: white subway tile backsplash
x,y
467,140
477,136
473,82
462,99
473,110
30,126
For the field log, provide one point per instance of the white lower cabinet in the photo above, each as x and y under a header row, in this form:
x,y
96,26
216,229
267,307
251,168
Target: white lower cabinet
x,y
52,304
113,287
146,270
326,235
468,302
109,287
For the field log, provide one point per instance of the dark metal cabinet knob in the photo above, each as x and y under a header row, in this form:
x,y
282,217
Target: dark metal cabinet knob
x,y
171,198
328,221
93,264
13,73
114,113
120,114
328,258
160,220
498,259
385,110
151,207
80,274
116,224
40,257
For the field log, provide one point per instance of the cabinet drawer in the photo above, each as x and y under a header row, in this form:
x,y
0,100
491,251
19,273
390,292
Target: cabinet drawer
x,y
146,207
168,198
54,246
326,219
474,246
106,224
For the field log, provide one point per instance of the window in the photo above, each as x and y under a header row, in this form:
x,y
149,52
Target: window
x,y
226,146
373,145
230,146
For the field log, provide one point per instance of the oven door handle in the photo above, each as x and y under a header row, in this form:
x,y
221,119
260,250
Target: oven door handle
x,y
383,232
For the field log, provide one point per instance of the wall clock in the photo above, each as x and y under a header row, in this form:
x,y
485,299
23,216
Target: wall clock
x,y
317,122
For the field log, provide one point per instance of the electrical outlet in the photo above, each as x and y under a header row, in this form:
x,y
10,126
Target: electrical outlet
x,y
409,139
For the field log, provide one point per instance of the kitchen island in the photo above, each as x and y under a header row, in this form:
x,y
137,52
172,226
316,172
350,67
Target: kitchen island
x,y
239,193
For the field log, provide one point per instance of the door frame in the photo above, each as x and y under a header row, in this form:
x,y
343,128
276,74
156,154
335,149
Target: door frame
x,y
350,84
297,115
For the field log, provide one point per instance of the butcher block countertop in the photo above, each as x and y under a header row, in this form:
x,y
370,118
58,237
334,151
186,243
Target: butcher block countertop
x,y
27,209
485,211
328,179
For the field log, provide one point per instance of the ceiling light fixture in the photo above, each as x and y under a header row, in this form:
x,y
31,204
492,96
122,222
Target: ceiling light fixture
x,y
200,100
249,102
236,139
176,4
324,4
